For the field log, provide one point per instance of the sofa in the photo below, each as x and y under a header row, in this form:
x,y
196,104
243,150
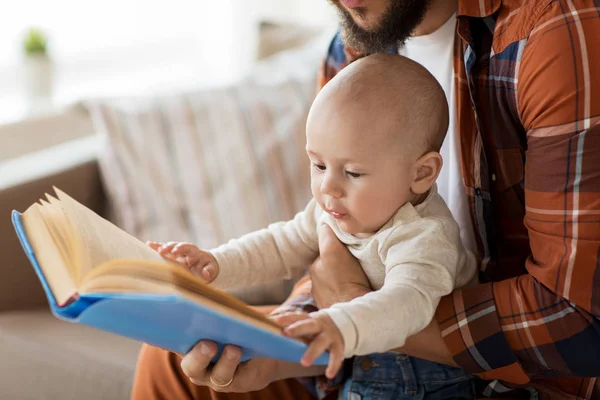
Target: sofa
x,y
42,357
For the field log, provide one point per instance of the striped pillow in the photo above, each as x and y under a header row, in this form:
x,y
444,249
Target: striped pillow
x,y
212,165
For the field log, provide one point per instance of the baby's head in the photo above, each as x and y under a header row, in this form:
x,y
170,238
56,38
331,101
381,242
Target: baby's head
x,y
373,137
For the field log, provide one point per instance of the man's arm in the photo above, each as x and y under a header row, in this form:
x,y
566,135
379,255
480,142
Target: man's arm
x,y
338,277
544,324
415,280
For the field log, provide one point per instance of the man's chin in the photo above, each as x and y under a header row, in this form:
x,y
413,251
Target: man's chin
x,y
364,19
380,25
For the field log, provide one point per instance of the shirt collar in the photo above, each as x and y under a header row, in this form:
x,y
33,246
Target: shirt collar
x,y
478,8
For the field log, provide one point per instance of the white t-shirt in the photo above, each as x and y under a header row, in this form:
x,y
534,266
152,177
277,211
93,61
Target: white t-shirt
x,y
435,52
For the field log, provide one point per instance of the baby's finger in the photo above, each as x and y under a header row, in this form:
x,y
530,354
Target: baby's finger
x,y
208,272
306,327
289,318
183,249
336,358
154,245
316,347
167,248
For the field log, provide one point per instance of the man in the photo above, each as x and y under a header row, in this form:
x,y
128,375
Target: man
x,y
523,83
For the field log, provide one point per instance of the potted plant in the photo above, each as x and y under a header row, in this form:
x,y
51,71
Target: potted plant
x,y
38,66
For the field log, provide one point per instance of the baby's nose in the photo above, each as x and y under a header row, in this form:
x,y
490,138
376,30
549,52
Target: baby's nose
x,y
330,188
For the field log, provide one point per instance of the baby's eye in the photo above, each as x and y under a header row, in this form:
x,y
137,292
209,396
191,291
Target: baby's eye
x,y
354,174
319,167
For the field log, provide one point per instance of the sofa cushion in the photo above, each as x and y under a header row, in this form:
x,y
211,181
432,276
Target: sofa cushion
x,y
25,181
213,164
54,359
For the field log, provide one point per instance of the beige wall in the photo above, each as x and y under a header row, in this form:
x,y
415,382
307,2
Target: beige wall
x,y
310,12
34,134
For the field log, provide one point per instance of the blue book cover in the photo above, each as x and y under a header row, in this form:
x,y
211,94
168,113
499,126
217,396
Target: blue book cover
x,y
172,321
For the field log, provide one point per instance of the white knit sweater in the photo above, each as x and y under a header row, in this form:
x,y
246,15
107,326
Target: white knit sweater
x,y
412,261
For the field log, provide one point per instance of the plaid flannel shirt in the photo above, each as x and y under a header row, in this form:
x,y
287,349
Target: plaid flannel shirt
x,y
527,82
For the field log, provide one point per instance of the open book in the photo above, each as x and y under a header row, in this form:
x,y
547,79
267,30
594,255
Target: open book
x,y
96,274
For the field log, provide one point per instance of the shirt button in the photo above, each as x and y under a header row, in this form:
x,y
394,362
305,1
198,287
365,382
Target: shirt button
x,y
493,177
478,192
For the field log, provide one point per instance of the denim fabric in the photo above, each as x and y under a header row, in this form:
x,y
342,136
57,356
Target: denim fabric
x,y
398,376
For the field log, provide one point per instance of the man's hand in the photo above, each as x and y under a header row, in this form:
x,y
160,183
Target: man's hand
x,y
255,374
199,262
323,335
229,375
336,275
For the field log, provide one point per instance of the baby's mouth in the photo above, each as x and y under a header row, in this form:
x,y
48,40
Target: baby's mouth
x,y
336,215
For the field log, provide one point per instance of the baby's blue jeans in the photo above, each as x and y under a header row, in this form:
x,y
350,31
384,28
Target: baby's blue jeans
x,y
397,376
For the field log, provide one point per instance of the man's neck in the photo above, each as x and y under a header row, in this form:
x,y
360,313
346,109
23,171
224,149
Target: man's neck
x,y
438,13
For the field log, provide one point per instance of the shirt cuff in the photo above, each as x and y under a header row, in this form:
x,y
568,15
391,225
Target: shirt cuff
x,y
346,326
470,326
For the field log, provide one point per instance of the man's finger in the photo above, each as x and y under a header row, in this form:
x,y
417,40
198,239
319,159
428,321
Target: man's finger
x,y
328,242
195,363
224,370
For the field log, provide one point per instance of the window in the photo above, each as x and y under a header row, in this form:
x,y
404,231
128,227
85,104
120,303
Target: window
x,y
116,47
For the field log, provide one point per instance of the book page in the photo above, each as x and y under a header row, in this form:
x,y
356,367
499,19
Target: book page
x,y
48,255
138,276
100,241
60,228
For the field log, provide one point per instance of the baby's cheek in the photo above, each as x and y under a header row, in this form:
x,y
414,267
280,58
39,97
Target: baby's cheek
x,y
316,192
362,210
367,218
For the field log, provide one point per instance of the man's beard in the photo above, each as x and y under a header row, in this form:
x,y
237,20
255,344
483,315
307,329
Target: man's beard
x,y
396,25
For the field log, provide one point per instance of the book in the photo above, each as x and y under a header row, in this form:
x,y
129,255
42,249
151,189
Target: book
x,y
95,274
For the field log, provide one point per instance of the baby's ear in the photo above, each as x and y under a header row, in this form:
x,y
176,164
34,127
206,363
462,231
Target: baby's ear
x,y
427,169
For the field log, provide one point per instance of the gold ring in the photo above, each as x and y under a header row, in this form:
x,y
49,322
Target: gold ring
x,y
220,385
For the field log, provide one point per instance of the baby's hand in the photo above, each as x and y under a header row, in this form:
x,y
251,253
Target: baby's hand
x,y
323,335
199,262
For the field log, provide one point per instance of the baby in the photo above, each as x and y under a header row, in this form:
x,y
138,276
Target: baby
x,y
373,135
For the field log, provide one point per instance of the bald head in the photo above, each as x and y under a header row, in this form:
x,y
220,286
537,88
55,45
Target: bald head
x,y
396,96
